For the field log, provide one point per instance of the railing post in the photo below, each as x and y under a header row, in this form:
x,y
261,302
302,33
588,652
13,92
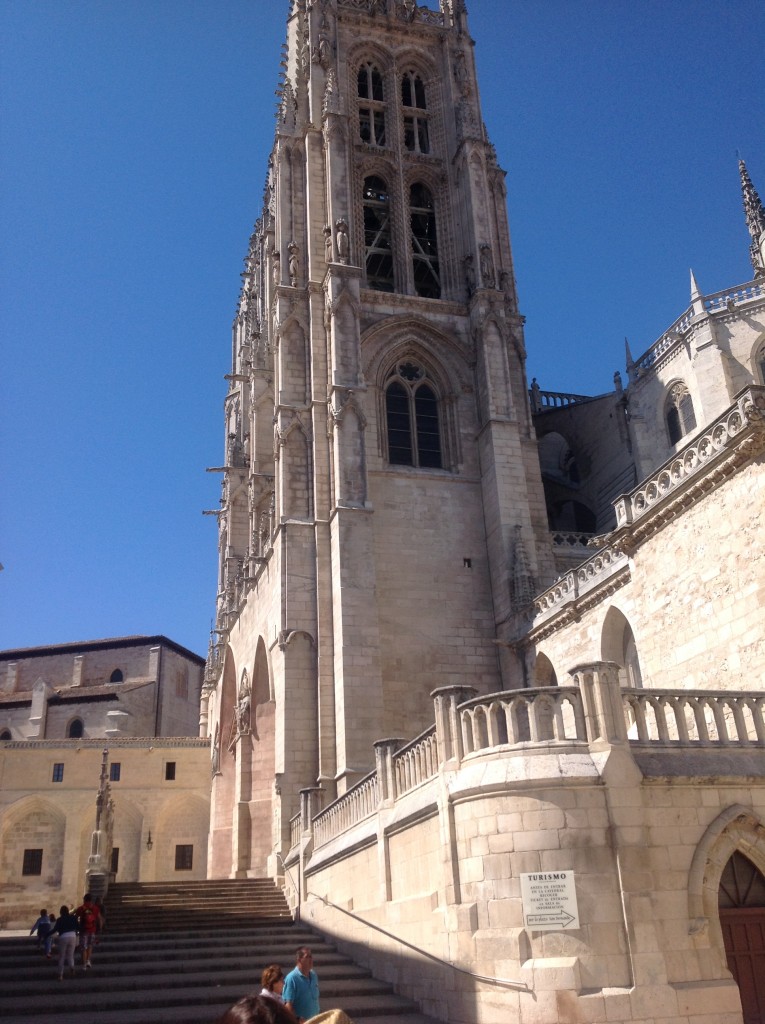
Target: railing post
x,y
309,800
448,733
386,778
598,683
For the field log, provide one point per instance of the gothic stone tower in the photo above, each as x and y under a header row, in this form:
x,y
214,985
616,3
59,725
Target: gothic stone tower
x,y
382,519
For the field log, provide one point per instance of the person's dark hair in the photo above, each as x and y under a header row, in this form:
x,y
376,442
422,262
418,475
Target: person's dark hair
x,y
301,951
271,975
257,1010
63,910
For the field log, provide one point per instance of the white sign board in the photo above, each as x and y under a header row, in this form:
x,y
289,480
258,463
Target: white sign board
x,y
549,901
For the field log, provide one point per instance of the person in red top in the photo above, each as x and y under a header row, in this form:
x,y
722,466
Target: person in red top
x,y
88,915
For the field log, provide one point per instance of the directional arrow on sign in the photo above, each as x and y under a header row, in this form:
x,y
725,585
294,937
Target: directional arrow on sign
x,y
560,917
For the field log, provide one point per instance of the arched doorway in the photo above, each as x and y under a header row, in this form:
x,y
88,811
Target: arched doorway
x,y
741,902
618,645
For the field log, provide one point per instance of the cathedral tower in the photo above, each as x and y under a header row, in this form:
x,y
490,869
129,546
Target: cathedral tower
x,y
382,520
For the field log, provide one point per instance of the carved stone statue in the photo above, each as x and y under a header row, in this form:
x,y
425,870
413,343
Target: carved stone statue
x,y
215,753
328,254
470,273
276,269
487,266
294,262
343,241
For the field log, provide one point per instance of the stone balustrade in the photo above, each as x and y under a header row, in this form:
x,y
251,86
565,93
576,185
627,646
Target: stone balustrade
x,y
693,458
679,718
579,581
674,334
541,400
570,539
543,715
592,713
295,830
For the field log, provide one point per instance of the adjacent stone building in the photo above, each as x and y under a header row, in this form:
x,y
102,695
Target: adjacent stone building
x,y
120,716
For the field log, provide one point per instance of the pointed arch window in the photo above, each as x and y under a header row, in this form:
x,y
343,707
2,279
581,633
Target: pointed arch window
x,y
679,412
377,235
412,418
371,94
416,134
76,729
427,281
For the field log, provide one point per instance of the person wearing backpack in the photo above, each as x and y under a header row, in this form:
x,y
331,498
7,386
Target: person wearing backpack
x,y
88,915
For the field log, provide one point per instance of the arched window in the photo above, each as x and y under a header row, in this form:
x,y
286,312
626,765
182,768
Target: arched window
x,y
416,136
760,361
5,735
681,419
116,676
618,645
424,244
377,235
411,412
75,729
371,105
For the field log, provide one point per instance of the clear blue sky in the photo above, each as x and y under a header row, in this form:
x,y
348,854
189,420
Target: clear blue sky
x,y
134,141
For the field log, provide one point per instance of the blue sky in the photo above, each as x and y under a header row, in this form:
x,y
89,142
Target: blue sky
x,y
134,139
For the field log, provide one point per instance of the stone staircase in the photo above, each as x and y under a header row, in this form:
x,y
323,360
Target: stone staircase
x,y
185,953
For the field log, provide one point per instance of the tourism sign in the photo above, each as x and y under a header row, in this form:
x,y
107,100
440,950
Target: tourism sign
x,y
549,901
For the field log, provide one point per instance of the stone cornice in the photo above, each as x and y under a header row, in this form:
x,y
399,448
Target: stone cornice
x,y
110,742
711,457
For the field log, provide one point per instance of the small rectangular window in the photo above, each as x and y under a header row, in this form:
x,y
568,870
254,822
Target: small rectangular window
x,y
58,772
115,859
32,862
184,858
114,771
169,771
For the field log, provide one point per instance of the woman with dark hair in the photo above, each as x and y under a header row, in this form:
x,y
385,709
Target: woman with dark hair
x,y
257,1010
272,981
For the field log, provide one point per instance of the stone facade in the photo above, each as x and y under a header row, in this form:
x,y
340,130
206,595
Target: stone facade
x,y
551,604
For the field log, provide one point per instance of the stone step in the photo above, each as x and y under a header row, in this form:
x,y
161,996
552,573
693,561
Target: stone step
x,y
177,957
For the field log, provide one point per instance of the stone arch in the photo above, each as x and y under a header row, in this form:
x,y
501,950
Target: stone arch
x,y
758,360
183,820
296,475
32,823
224,782
255,816
618,644
737,828
386,343
679,412
293,363
544,671
128,830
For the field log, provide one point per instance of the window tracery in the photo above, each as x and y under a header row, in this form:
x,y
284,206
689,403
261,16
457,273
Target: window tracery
x,y
371,93
424,243
412,418
377,234
416,134
679,413
760,362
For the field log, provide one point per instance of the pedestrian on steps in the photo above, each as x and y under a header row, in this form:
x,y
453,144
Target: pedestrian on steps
x,y
66,929
301,987
89,916
272,981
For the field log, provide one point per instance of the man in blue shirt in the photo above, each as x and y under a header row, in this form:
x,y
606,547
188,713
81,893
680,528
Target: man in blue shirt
x,y
301,987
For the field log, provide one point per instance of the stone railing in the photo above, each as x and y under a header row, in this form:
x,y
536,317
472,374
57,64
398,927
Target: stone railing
x,y
544,715
541,400
676,717
403,12
674,334
295,830
591,713
416,762
352,807
692,459
579,581
570,539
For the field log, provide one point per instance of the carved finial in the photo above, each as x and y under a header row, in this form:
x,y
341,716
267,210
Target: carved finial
x,y
697,299
755,220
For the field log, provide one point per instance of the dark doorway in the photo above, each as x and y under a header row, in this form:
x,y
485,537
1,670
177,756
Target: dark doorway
x,y
742,918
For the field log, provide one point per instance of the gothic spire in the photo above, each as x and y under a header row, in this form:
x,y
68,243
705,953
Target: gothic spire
x,y
755,219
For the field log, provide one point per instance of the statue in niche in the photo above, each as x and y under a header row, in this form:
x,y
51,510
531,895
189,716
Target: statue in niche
x,y
470,273
461,73
322,52
242,711
328,254
215,752
276,270
487,266
294,262
504,281
343,241
410,9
